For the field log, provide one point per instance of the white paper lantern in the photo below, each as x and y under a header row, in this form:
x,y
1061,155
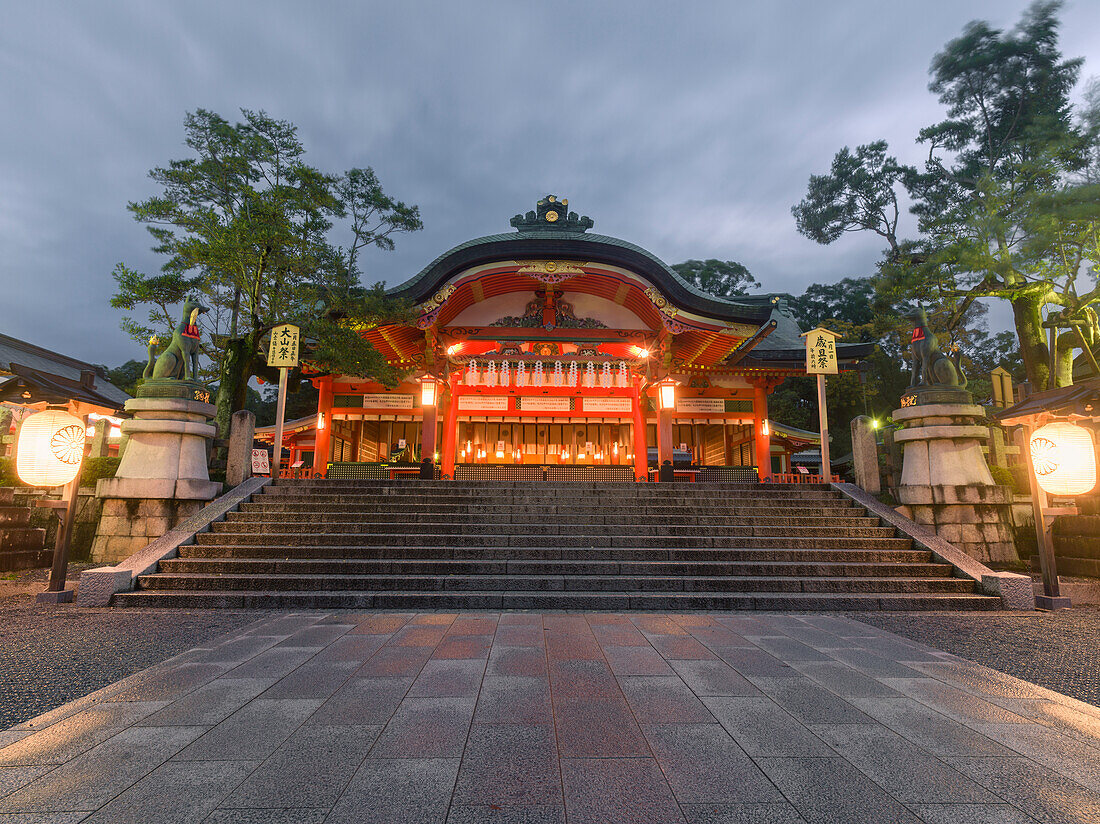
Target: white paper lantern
x,y
50,448
538,377
590,375
491,374
1064,459
471,373
605,375
521,374
505,374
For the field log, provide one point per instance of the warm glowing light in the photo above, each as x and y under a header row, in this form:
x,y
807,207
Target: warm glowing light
x,y
50,448
428,385
666,393
641,352
1064,459
454,348
764,430
500,453
565,455
320,420
875,423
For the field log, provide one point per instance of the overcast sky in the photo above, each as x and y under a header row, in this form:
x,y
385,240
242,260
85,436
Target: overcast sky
x,y
687,128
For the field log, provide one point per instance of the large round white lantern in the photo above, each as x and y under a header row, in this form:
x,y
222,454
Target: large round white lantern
x,y
1063,458
50,448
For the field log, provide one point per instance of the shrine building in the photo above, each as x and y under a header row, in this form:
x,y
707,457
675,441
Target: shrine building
x,y
551,351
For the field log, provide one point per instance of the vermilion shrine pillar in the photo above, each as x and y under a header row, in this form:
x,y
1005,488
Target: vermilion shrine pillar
x,y
641,450
761,429
322,445
450,430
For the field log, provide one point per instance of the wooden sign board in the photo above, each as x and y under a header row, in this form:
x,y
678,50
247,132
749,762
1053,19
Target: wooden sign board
x,y
283,349
821,352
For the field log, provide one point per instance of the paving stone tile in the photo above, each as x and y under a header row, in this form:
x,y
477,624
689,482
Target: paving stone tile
x,y
971,814
464,646
928,729
702,763
810,703
952,702
756,663
712,678
316,636
658,625
832,791
43,818
510,766
571,680
745,625
434,619
680,647
168,683
175,791
474,625
449,678
1069,756
362,701
1037,790
78,733
572,648
718,636
877,666
241,649
397,791
310,769
418,636
540,814
978,679
788,649
817,638
726,813
1068,719
253,732
313,679
10,736
661,700
350,648
843,680
12,778
395,662
761,727
517,619
566,624
598,728
516,661
295,816
607,619
892,646
613,790
273,663
514,699
519,635
900,767
92,779
426,728
843,627
692,619
209,704
380,625
636,661
619,635
283,625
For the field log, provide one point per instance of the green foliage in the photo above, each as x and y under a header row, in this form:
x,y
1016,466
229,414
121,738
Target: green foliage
x,y
246,222
96,468
721,278
128,376
7,473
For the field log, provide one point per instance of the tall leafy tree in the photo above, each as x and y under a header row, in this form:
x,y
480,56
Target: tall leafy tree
x,y
247,222
721,278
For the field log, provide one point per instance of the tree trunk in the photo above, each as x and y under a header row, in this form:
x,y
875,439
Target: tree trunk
x,y
1027,313
235,373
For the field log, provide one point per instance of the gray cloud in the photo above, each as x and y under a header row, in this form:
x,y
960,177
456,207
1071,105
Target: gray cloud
x,y
689,129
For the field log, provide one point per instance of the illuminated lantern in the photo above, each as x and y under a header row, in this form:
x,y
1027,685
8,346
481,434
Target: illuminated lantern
x,y
428,387
666,393
50,448
1064,459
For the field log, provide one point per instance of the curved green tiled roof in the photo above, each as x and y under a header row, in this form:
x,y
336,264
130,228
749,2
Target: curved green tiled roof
x,y
591,247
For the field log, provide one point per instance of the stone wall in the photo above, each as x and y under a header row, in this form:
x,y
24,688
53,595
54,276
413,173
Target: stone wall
x,y
129,524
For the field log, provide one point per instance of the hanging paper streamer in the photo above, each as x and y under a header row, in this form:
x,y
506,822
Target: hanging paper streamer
x,y
590,375
537,378
624,381
572,373
558,376
491,374
521,374
605,375
505,374
471,373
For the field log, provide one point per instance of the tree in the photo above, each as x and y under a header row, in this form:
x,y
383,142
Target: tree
x,y
126,377
246,222
721,278
983,196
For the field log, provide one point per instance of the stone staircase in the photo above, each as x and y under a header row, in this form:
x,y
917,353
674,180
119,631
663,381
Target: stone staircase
x,y
22,546
493,545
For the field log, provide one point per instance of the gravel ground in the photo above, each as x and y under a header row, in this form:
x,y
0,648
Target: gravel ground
x,y
51,655
1057,650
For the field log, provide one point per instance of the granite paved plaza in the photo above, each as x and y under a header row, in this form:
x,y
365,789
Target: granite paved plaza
x,y
533,718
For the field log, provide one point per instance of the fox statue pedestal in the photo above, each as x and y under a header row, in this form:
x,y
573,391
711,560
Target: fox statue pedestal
x,y
945,481
162,478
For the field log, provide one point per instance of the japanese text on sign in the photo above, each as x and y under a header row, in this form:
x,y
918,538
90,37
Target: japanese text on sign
x,y
283,350
821,352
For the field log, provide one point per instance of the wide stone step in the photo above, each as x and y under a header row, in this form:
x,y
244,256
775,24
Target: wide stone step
x,y
663,569
481,553
534,528
786,602
562,583
534,500
321,522
590,508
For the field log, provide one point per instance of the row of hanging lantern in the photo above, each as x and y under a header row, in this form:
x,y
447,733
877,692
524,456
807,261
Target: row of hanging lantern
x,y
606,377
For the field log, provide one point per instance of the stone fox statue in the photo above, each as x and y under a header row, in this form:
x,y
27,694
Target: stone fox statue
x,y
181,359
931,367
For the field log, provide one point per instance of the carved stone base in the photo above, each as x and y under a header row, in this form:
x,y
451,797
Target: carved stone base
x,y
129,524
